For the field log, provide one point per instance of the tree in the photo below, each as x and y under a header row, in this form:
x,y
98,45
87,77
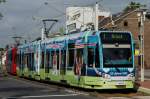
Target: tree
x,y
133,5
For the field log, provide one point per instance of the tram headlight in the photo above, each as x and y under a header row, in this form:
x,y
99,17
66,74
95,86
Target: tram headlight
x,y
130,76
107,76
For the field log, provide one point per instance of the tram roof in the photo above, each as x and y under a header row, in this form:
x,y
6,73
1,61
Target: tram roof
x,y
69,37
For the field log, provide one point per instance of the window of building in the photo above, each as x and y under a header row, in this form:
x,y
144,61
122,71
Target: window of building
x,y
125,23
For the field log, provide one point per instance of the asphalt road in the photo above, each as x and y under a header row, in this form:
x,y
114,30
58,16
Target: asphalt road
x,y
13,88
18,88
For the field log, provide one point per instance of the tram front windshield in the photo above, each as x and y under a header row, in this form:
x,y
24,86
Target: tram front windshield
x,y
117,51
117,57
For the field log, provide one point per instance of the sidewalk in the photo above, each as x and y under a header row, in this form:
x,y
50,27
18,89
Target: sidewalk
x,y
144,87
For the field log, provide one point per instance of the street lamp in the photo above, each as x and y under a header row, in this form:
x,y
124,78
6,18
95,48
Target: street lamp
x,y
141,18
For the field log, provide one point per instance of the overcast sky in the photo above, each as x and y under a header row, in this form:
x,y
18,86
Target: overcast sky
x,y
23,17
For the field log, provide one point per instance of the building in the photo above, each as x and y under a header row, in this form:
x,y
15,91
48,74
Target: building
x,y
83,18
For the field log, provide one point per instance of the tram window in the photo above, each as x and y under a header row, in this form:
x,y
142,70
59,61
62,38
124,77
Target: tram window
x,y
47,58
54,62
24,58
17,59
42,62
27,60
90,57
57,58
63,58
63,62
51,62
97,62
47,62
32,61
71,58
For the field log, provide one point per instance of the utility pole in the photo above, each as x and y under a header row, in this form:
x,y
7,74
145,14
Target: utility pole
x,y
141,19
96,16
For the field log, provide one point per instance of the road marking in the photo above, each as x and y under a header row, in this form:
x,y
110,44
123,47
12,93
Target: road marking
x,y
119,98
41,96
76,92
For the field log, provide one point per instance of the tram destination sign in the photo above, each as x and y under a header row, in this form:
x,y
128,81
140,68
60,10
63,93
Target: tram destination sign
x,y
121,38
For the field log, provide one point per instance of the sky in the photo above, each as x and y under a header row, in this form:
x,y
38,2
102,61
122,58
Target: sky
x,y
23,17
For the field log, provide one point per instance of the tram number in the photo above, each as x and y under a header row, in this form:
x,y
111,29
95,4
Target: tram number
x,y
120,83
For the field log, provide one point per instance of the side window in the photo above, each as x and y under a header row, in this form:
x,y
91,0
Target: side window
x,y
54,62
71,51
32,55
71,58
57,58
42,60
63,58
97,62
63,62
47,61
51,57
27,59
91,57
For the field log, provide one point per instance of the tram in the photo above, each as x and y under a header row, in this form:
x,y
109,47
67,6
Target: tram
x,y
90,60
11,59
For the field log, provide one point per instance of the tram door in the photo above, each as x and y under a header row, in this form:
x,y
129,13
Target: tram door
x,y
78,61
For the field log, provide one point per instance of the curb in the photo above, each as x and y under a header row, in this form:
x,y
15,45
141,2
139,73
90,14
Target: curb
x,y
144,90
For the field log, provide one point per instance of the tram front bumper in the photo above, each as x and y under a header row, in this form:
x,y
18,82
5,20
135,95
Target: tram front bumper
x,y
100,83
